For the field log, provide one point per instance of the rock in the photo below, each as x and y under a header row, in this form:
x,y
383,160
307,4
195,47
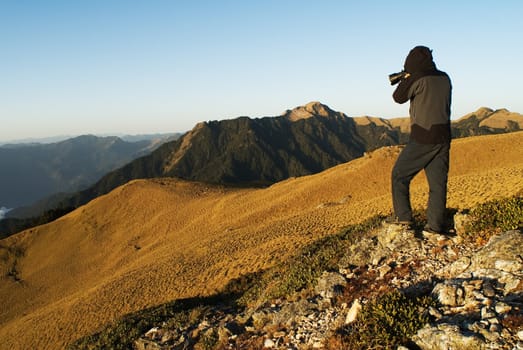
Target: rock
x,y
448,294
502,308
144,344
435,313
502,252
353,312
475,294
268,343
457,268
153,333
383,270
389,233
512,285
330,284
279,334
487,313
508,265
446,336
488,290
460,223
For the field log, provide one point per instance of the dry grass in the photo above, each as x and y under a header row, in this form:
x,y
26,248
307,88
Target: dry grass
x,y
502,118
151,241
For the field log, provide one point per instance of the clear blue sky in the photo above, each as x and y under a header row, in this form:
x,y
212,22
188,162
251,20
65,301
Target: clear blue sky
x,y
105,66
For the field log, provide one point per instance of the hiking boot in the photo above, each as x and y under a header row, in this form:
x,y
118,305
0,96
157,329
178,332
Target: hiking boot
x,y
394,220
447,233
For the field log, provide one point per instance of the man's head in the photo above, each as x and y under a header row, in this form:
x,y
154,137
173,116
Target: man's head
x,y
419,59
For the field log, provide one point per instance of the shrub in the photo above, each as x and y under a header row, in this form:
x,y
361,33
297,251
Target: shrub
x,y
385,322
497,215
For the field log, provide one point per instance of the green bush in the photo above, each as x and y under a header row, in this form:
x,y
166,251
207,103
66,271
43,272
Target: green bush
x,y
502,214
386,322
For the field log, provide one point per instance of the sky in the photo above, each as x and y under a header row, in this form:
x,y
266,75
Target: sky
x,y
109,67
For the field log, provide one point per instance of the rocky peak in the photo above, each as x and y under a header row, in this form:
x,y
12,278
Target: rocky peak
x,y
311,109
481,113
185,145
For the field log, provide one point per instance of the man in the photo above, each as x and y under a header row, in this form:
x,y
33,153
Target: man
x,y
429,92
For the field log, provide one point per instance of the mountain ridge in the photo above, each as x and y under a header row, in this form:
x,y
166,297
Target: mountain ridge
x,y
31,172
261,151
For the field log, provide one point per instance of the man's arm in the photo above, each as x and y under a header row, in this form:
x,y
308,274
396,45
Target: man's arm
x,y
401,94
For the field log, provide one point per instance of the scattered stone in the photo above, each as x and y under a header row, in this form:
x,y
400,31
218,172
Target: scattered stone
x,y
475,289
353,312
383,270
268,343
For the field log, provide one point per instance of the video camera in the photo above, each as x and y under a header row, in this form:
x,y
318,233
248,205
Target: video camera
x,y
395,78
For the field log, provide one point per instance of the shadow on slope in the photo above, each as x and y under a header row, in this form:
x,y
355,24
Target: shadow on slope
x,y
390,319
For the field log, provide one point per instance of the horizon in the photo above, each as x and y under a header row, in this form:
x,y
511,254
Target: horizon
x,y
107,67
59,138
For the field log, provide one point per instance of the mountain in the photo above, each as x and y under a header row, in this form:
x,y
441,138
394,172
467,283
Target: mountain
x,y
152,241
246,151
486,121
256,152
33,171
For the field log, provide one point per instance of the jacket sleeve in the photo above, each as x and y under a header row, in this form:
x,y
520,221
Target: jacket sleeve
x,y
401,94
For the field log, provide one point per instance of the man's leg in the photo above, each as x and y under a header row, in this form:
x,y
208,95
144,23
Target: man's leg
x,y
412,159
404,170
437,174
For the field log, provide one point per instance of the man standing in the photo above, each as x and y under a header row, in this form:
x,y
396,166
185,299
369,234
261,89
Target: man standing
x,y
429,92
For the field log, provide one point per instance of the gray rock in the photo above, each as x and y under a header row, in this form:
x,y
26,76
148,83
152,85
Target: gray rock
x,y
144,344
502,252
446,336
448,294
330,284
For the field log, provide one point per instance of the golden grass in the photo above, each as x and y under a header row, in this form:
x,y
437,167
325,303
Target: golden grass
x,y
151,241
502,119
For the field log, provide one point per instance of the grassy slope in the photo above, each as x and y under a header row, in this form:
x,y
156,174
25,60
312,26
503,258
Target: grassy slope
x,y
149,242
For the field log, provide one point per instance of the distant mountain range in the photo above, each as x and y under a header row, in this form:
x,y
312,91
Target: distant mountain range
x,y
33,171
261,151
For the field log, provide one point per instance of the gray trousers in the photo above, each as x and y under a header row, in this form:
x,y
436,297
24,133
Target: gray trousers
x,y
434,158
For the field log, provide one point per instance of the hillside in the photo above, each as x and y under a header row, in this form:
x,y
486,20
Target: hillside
x,y
152,241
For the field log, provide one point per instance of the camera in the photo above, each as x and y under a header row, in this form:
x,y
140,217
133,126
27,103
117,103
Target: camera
x,y
395,78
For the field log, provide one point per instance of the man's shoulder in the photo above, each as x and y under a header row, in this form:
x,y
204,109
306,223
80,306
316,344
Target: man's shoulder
x,y
438,77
